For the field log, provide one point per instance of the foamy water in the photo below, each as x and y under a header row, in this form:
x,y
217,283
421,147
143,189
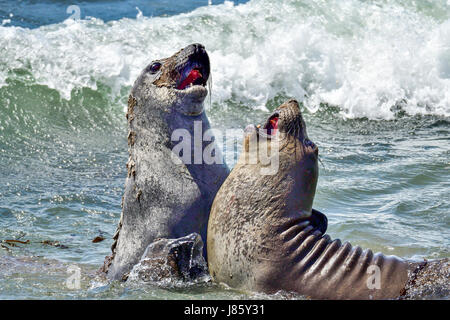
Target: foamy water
x,y
365,57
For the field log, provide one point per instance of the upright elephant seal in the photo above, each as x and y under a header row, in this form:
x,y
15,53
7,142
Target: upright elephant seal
x,y
263,234
165,197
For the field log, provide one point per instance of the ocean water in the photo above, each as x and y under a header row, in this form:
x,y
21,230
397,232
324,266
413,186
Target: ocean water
x,y
373,79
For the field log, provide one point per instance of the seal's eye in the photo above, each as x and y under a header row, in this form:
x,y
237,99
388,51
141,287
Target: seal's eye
x,y
155,67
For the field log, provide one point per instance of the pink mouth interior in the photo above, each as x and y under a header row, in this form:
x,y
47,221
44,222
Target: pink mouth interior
x,y
272,126
193,75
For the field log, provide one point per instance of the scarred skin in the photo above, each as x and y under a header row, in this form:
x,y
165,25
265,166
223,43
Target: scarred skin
x,y
263,234
164,197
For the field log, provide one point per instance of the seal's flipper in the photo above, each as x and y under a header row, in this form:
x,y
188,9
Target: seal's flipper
x,y
319,220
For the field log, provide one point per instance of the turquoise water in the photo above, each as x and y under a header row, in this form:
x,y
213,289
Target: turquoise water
x,y
373,78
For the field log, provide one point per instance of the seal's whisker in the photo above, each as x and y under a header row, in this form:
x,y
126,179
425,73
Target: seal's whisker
x,y
210,90
320,160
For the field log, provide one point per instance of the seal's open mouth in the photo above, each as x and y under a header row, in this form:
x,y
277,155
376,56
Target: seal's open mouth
x,y
194,68
271,125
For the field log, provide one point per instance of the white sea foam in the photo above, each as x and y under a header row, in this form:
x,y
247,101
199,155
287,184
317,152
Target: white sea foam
x,y
364,57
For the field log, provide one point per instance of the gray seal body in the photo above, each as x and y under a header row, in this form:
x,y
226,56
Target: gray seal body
x,y
167,195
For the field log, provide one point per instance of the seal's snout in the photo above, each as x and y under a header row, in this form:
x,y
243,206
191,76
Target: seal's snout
x,y
199,48
187,68
288,119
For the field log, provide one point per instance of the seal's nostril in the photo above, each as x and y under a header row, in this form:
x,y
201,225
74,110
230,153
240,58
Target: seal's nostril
x,y
198,47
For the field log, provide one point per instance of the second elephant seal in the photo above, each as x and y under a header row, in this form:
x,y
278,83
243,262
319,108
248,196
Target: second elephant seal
x,y
264,235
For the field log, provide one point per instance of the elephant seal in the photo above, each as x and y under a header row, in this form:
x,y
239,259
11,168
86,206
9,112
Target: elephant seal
x,y
167,195
264,235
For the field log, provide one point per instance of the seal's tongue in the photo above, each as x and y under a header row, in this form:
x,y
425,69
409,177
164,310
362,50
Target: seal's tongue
x,y
193,75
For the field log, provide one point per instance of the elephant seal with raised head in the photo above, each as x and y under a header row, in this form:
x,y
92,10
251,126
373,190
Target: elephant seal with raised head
x,y
264,235
165,197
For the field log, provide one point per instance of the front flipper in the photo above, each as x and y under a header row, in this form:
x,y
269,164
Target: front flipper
x,y
319,220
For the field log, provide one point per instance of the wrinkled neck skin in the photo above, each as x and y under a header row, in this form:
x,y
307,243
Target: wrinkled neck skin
x,y
288,249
